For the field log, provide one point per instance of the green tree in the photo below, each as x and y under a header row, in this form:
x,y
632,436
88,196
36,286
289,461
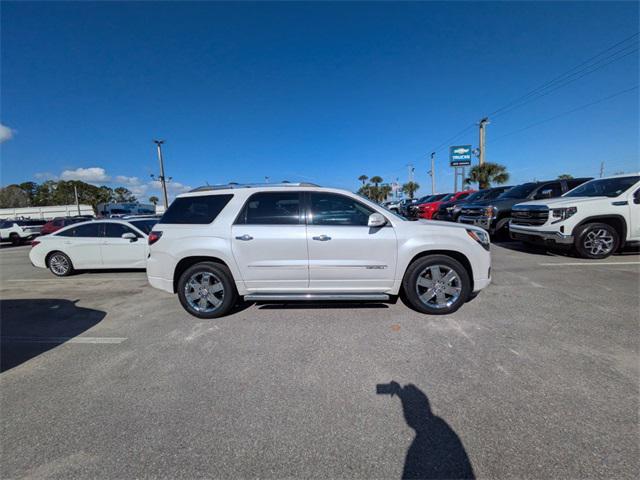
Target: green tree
x,y
12,196
153,199
123,194
30,189
384,191
363,179
486,174
565,176
410,188
376,180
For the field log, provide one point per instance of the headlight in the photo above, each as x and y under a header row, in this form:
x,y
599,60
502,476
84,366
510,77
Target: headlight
x,y
560,214
491,211
481,237
450,209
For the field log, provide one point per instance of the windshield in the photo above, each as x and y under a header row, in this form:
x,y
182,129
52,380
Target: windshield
x,y
435,198
6,224
521,191
606,187
448,197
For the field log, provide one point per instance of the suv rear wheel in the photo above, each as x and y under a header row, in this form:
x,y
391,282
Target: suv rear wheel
x,y
436,284
206,290
597,240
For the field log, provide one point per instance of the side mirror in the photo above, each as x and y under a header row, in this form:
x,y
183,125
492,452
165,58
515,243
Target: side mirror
x,y
376,220
130,236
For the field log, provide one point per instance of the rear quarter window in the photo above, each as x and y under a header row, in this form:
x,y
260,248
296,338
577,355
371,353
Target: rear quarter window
x,y
202,209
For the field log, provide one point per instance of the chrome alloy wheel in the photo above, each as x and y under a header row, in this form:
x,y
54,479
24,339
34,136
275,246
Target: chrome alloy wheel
x,y
59,264
438,286
204,292
598,242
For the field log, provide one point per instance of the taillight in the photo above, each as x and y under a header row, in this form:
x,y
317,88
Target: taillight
x,y
34,243
154,237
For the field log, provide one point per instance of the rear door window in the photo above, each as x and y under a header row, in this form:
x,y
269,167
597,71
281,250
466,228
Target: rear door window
x,y
271,208
201,209
116,230
90,230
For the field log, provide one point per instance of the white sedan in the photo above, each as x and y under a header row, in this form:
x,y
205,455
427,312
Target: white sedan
x,y
93,245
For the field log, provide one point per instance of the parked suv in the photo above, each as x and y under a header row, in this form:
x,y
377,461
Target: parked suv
x,y
596,218
450,211
19,231
494,215
301,242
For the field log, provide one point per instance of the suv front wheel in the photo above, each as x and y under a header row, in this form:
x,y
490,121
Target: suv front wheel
x,y
206,290
436,284
597,240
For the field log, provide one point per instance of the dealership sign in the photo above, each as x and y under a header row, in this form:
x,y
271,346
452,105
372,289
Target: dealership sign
x,y
460,156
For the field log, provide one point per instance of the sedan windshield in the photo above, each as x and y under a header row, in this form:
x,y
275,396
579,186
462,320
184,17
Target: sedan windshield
x,y
606,187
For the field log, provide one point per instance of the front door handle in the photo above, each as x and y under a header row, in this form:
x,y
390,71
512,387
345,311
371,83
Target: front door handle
x,y
322,238
244,237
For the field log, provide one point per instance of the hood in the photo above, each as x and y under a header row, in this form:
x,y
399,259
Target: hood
x,y
565,201
419,224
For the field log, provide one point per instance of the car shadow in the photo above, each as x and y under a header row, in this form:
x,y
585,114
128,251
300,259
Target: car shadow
x,y
533,249
436,451
34,326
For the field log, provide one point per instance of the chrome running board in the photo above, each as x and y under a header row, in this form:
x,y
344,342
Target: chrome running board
x,y
269,297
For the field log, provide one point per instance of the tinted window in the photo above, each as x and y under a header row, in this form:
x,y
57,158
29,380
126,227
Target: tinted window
x,y
6,224
606,187
89,230
201,209
496,192
446,198
521,191
271,208
555,188
571,184
116,230
145,225
464,195
334,209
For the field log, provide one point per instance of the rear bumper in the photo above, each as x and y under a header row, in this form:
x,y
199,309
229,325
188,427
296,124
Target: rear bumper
x,y
536,236
161,283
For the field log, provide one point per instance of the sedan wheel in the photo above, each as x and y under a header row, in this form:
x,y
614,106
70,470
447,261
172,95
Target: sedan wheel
x,y
60,265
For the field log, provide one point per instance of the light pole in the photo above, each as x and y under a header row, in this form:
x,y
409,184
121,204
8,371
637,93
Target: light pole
x,y
162,178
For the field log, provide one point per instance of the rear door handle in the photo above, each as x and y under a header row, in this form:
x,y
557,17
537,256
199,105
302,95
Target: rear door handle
x,y
322,238
244,237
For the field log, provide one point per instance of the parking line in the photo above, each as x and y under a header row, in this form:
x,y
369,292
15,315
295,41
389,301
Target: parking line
x,y
582,264
109,340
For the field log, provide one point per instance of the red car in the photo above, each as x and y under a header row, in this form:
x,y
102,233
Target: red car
x,y
59,222
427,210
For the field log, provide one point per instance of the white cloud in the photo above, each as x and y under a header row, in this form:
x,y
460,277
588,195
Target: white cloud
x,y
44,176
130,181
6,133
89,175
172,187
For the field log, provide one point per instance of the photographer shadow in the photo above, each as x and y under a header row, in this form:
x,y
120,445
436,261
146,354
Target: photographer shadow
x,y
436,452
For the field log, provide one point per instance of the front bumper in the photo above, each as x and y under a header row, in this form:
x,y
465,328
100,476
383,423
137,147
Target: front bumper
x,y
482,222
537,236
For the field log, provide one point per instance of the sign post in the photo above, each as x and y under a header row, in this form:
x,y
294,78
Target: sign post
x,y
459,157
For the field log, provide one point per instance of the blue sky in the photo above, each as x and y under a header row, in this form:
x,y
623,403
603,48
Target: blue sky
x,y
321,92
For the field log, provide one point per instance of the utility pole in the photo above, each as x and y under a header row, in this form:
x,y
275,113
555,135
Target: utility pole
x,y
162,178
601,169
75,191
483,123
432,172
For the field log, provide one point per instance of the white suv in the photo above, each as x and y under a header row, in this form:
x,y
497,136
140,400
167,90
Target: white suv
x,y
597,218
301,242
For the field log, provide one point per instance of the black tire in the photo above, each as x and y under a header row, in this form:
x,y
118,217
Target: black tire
x,y
15,239
596,240
59,264
227,296
412,291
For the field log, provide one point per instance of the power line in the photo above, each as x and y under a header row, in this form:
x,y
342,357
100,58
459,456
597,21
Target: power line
x,y
568,73
581,107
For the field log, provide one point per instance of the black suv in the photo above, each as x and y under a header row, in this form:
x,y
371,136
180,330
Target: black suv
x,y
450,211
494,215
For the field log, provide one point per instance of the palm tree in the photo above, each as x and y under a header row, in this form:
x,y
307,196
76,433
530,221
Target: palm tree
x,y
366,191
363,179
376,180
565,176
153,199
486,174
384,191
410,189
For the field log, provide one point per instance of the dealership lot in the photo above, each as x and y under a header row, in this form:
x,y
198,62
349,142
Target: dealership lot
x,y
537,377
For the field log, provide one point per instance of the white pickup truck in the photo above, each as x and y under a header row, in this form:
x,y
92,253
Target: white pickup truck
x,y
597,218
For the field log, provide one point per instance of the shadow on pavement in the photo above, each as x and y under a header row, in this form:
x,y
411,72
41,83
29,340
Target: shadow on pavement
x,y
34,326
437,451
531,249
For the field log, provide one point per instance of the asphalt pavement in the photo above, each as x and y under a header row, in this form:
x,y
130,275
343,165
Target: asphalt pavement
x,y
537,377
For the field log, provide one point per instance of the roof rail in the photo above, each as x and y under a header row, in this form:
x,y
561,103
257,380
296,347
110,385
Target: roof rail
x,y
206,188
